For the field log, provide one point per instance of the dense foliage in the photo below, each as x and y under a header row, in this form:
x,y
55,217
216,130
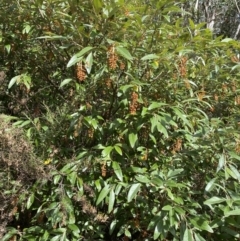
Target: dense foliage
x,y
133,110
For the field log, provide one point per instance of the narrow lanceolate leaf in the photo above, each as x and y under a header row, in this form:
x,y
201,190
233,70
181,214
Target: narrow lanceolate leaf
x,y
214,200
65,82
14,80
133,191
221,162
210,185
198,237
150,56
132,139
124,52
187,235
201,224
10,233
111,201
158,229
117,170
106,151
30,201
89,63
155,105
77,57
103,194
118,150
232,213
235,172
97,5
142,178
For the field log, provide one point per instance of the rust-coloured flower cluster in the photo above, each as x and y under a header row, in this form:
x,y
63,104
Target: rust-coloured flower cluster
x,y
177,146
112,57
134,103
81,72
182,65
237,146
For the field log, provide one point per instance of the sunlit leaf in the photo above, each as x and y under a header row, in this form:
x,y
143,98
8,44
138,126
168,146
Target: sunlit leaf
x,y
104,192
77,57
14,80
111,201
65,82
124,52
117,170
132,139
134,189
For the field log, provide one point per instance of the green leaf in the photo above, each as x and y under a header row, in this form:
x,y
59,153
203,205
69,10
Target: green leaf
x,y
210,185
179,210
221,162
198,237
8,48
30,201
74,228
56,238
201,223
226,40
235,212
158,229
107,150
77,57
89,63
155,105
214,200
124,52
142,179
45,236
118,150
187,235
64,82
192,25
10,232
235,172
112,226
103,194
170,195
173,173
117,170
72,177
111,201
97,5
167,208
127,233
14,80
132,139
157,181
231,232
150,56
68,206
133,191
26,29
24,123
